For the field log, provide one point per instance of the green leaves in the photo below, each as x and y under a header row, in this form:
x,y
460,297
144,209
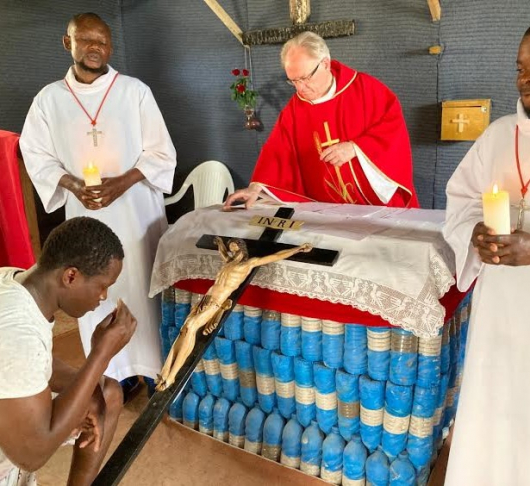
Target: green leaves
x,y
241,90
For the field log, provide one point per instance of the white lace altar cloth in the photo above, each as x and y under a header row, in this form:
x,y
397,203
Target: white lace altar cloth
x,y
393,263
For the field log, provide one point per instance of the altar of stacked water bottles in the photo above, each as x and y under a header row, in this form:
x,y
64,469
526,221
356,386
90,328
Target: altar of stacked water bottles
x,y
344,402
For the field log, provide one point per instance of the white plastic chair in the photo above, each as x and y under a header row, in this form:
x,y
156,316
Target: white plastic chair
x,y
210,180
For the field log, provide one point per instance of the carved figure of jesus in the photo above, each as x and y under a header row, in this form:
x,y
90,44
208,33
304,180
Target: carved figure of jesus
x,y
208,311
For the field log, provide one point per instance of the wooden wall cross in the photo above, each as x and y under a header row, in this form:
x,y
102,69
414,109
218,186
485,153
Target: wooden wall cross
x,y
300,11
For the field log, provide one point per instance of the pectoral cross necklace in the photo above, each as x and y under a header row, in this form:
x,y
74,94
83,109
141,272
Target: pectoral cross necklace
x,y
93,121
524,187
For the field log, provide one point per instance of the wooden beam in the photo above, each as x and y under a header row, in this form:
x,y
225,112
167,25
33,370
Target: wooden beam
x,y
436,9
29,207
225,19
333,28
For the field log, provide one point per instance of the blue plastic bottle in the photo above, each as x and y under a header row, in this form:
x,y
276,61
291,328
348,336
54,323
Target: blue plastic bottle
x,y
272,436
236,425
247,375
254,430
377,468
378,353
264,379
190,411
402,472
403,357
220,419
311,450
354,458
226,354
325,397
233,325
283,369
290,335
355,349
252,325
311,339
206,415
292,443
332,343
304,391
332,453
270,330
348,403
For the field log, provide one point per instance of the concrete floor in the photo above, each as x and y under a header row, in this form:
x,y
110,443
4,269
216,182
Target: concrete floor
x,y
176,455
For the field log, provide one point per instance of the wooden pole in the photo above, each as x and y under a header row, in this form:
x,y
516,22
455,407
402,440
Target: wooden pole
x,y
29,207
225,19
436,9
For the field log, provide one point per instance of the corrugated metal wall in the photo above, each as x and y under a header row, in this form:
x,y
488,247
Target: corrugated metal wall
x,y
186,55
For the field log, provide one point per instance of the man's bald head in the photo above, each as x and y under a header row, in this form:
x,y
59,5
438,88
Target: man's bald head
x,y
85,18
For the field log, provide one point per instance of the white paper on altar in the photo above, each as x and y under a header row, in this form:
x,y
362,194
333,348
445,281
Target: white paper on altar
x,y
370,220
399,269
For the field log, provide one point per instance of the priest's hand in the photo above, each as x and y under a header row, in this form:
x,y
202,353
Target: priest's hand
x,y
112,188
249,196
513,249
77,187
339,154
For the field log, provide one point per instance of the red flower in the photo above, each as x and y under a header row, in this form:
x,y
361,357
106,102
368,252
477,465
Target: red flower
x,y
235,72
245,72
240,88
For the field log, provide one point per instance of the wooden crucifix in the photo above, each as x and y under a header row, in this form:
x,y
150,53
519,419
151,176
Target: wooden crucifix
x,y
141,430
300,10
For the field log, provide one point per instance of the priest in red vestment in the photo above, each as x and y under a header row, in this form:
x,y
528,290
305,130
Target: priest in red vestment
x,y
341,138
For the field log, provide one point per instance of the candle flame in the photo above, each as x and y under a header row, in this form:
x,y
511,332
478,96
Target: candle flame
x,y
495,189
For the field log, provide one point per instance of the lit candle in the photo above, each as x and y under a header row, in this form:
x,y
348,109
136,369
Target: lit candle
x,y
91,175
496,209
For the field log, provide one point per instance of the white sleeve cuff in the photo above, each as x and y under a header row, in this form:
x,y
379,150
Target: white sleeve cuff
x,y
383,187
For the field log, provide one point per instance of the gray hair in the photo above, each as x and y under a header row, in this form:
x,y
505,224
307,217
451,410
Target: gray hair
x,y
312,43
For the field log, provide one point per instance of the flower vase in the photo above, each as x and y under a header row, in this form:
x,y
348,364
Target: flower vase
x,y
252,122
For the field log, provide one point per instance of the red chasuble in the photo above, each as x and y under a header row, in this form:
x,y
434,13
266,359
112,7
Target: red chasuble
x,y
363,111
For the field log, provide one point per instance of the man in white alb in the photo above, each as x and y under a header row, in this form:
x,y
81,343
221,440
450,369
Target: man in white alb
x,y
95,116
490,446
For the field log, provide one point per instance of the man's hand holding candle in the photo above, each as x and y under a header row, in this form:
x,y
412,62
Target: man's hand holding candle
x,y
512,249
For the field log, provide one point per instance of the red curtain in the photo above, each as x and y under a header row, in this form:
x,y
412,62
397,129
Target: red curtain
x,y
15,242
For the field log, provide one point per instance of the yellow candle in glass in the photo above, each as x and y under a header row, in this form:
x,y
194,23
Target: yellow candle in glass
x,y
496,209
91,175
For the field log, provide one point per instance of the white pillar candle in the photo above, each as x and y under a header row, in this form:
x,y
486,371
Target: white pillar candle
x,y
91,175
496,209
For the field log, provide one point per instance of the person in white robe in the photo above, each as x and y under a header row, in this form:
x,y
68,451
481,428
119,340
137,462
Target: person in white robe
x,y
491,442
133,152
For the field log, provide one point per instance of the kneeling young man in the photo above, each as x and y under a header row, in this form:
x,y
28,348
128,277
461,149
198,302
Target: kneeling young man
x,y
43,401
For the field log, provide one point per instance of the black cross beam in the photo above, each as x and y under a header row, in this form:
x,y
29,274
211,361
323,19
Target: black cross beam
x,y
146,423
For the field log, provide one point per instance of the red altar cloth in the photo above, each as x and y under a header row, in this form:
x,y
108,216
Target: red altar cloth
x,y
318,309
15,242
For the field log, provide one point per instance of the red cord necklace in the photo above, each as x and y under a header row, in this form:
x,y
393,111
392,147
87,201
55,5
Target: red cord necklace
x,y
524,186
93,121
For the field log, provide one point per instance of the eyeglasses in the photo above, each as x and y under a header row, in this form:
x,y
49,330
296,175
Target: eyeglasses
x,y
305,79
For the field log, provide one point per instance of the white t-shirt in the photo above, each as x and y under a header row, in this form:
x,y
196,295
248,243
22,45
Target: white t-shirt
x,y
26,341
